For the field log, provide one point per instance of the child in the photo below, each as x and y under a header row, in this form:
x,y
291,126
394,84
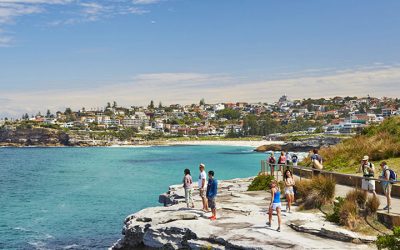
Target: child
x,y
187,184
275,204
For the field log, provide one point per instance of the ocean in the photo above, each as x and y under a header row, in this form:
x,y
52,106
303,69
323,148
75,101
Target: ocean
x,y
77,198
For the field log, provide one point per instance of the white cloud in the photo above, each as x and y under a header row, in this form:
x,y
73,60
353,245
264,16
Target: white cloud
x,y
80,11
191,87
146,1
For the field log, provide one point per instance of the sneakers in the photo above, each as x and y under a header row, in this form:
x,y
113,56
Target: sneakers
x,y
387,207
268,224
213,218
278,229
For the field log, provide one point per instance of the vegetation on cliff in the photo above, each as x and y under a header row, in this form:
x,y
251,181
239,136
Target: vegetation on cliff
x,y
379,142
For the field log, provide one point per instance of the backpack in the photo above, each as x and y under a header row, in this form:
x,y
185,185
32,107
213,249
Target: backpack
x,y
392,176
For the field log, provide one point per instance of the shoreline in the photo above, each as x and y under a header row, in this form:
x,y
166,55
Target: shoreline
x,y
235,143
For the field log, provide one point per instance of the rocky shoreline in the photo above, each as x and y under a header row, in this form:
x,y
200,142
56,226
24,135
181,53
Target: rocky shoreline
x,y
304,145
240,225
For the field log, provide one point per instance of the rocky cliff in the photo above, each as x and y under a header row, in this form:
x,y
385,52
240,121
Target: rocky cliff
x,y
241,224
33,137
304,145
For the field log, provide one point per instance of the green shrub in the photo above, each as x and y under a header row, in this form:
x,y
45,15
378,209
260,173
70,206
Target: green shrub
x,y
391,242
372,205
358,196
316,192
337,206
260,182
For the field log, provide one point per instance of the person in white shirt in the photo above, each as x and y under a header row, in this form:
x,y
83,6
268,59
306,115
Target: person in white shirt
x,y
202,186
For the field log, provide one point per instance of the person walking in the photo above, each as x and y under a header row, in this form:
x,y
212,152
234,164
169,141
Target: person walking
x,y
288,159
212,189
275,204
187,185
272,162
316,161
202,186
281,161
368,170
387,186
295,159
289,189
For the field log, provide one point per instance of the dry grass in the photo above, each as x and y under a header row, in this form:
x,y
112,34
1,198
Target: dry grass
x,y
358,196
372,205
316,192
349,214
380,142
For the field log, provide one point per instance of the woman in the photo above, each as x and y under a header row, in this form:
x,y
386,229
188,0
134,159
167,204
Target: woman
x,y
289,190
275,204
281,161
187,185
272,162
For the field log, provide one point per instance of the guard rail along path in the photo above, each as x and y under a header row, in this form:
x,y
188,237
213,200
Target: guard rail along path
x,y
344,183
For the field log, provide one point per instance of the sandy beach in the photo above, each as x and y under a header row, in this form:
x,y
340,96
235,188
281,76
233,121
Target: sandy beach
x,y
253,144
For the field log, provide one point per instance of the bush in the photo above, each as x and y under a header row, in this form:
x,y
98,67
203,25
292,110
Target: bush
x,y
348,214
372,205
315,192
261,182
391,242
358,196
337,206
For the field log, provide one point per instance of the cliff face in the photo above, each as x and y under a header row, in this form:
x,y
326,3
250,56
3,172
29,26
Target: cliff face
x,y
241,224
304,145
33,137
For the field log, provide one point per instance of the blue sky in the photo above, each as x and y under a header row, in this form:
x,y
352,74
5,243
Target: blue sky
x,y
59,53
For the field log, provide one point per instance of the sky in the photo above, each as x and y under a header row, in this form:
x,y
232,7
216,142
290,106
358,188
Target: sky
x,y
84,53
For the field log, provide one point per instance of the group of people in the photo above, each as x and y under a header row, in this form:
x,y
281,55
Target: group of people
x,y
207,190
388,176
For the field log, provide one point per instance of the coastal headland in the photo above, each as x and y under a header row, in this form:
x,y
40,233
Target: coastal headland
x,y
240,225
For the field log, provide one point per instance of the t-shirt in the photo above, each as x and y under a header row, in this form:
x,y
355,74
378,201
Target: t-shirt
x,y
202,176
282,160
187,181
366,172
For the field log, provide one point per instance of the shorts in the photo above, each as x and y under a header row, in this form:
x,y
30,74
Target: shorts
x,y
276,205
368,185
202,193
289,190
211,203
387,187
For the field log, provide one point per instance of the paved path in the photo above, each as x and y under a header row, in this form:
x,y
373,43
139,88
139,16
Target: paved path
x,y
342,190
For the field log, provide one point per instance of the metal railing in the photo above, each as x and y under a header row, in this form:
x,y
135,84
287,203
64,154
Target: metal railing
x,y
278,169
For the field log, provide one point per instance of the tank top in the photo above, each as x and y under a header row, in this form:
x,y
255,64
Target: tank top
x,y
277,197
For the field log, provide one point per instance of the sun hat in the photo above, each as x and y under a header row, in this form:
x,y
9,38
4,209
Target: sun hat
x,y
202,165
366,158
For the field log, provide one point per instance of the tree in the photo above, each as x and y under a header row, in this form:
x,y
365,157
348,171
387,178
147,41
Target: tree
x,y
48,114
160,105
108,105
202,102
151,106
114,104
68,111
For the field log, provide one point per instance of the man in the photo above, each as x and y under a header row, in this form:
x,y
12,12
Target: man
x,y
387,186
202,186
294,159
368,171
288,158
212,188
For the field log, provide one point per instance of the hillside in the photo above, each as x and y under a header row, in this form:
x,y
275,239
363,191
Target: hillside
x,y
379,142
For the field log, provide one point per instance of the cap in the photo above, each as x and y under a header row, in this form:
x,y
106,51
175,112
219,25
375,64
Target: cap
x,y
366,158
202,165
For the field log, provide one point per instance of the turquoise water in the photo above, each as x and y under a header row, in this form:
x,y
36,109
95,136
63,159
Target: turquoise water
x,y
77,198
